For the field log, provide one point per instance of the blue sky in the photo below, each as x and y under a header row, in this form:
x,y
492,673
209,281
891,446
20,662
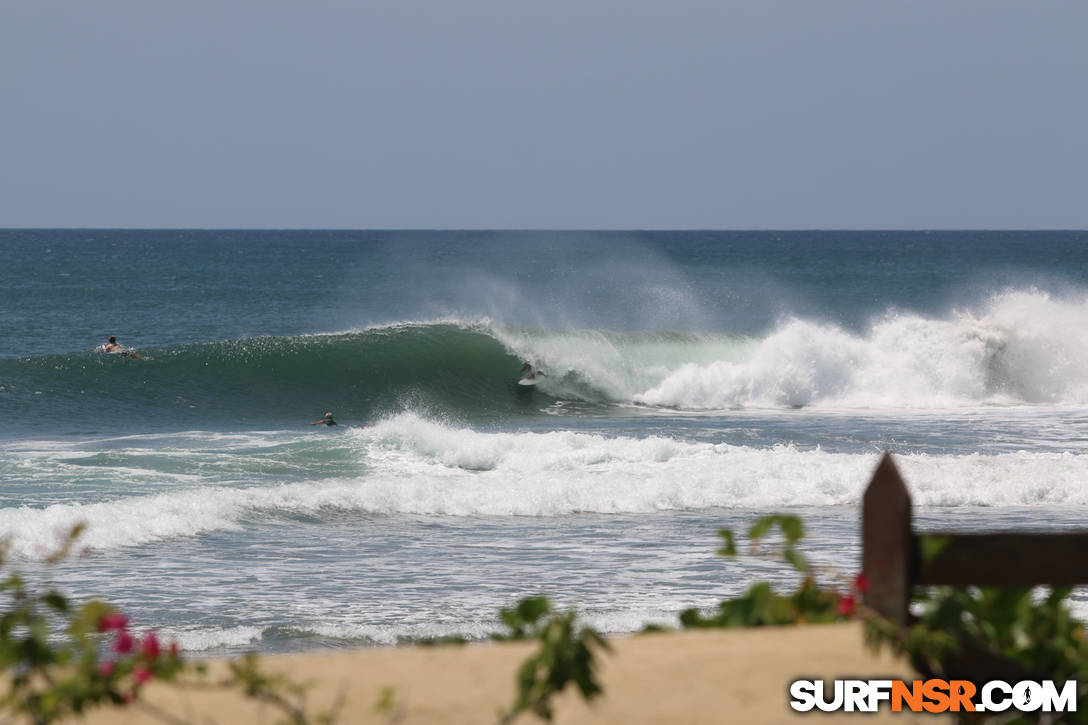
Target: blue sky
x,y
565,114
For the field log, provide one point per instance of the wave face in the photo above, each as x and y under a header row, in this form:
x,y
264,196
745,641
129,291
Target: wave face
x,y
242,383
1018,348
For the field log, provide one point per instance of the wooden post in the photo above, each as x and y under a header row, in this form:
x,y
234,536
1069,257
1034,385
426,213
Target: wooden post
x,y
887,544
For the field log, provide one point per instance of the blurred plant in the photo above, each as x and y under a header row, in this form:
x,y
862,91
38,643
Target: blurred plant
x,y
760,605
963,633
984,633
62,658
388,707
566,655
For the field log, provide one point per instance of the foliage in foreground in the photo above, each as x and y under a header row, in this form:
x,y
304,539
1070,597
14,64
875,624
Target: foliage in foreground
x,y
566,656
63,659
959,633
760,605
984,633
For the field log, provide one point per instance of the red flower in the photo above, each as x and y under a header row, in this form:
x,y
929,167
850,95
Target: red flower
x,y
150,646
141,675
124,642
106,667
861,582
847,604
112,621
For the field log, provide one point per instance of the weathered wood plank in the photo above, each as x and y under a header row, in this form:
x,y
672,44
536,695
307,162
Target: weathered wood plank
x,y
1007,560
887,543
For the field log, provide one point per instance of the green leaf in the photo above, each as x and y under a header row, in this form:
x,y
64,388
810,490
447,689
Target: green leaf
x,y
66,546
930,546
761,526
13,582
565,656
789,525
55,601
795,558
792,528
729,548
531,609
84,620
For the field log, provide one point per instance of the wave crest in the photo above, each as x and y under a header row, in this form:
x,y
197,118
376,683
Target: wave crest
x,y
1020,347
1023,347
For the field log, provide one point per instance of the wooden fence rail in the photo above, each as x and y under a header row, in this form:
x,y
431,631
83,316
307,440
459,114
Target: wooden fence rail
x,y
892,552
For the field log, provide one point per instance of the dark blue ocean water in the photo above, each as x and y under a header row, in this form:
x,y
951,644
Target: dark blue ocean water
x,y
65,290
691,379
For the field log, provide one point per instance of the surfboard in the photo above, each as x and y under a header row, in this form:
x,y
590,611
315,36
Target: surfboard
x,y
528,382
123,353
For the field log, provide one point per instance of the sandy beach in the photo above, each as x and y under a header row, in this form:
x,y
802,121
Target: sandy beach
x,y
739,676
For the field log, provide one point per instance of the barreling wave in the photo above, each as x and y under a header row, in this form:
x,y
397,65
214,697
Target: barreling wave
x,y
455,369
1019,347
450,369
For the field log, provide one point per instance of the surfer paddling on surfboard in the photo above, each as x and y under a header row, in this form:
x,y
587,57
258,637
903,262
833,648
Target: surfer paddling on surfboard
x,y
114,348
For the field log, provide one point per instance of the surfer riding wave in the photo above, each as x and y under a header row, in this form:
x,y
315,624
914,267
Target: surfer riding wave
x,y
532,378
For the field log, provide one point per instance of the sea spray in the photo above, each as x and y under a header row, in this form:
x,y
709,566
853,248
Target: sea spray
x,y
1017,348
1021,348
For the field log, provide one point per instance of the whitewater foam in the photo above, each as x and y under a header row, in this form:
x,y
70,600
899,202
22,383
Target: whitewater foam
x,y
1022,347
411,465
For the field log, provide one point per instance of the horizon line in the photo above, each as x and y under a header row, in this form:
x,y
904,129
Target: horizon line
x,y
541,229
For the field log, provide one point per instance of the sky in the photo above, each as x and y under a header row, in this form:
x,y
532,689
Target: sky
x,y
633,114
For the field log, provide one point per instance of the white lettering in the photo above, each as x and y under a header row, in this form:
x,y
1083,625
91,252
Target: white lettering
x,y
1066,701
878,690
836,702
803,693
856,696
991,704
1027,696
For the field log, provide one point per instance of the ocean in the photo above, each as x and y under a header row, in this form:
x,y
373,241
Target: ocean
x,y
692,381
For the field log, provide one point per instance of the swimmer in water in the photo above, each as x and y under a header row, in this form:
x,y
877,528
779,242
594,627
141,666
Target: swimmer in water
x,y
327,420
112,345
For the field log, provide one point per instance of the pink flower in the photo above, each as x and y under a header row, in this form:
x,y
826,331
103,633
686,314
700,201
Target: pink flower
x,y
141,675
124,642
112,621
847,604
861,582
150,646
106,668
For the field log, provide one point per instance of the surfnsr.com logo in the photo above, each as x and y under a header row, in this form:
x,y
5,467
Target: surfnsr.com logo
x,y
933,696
